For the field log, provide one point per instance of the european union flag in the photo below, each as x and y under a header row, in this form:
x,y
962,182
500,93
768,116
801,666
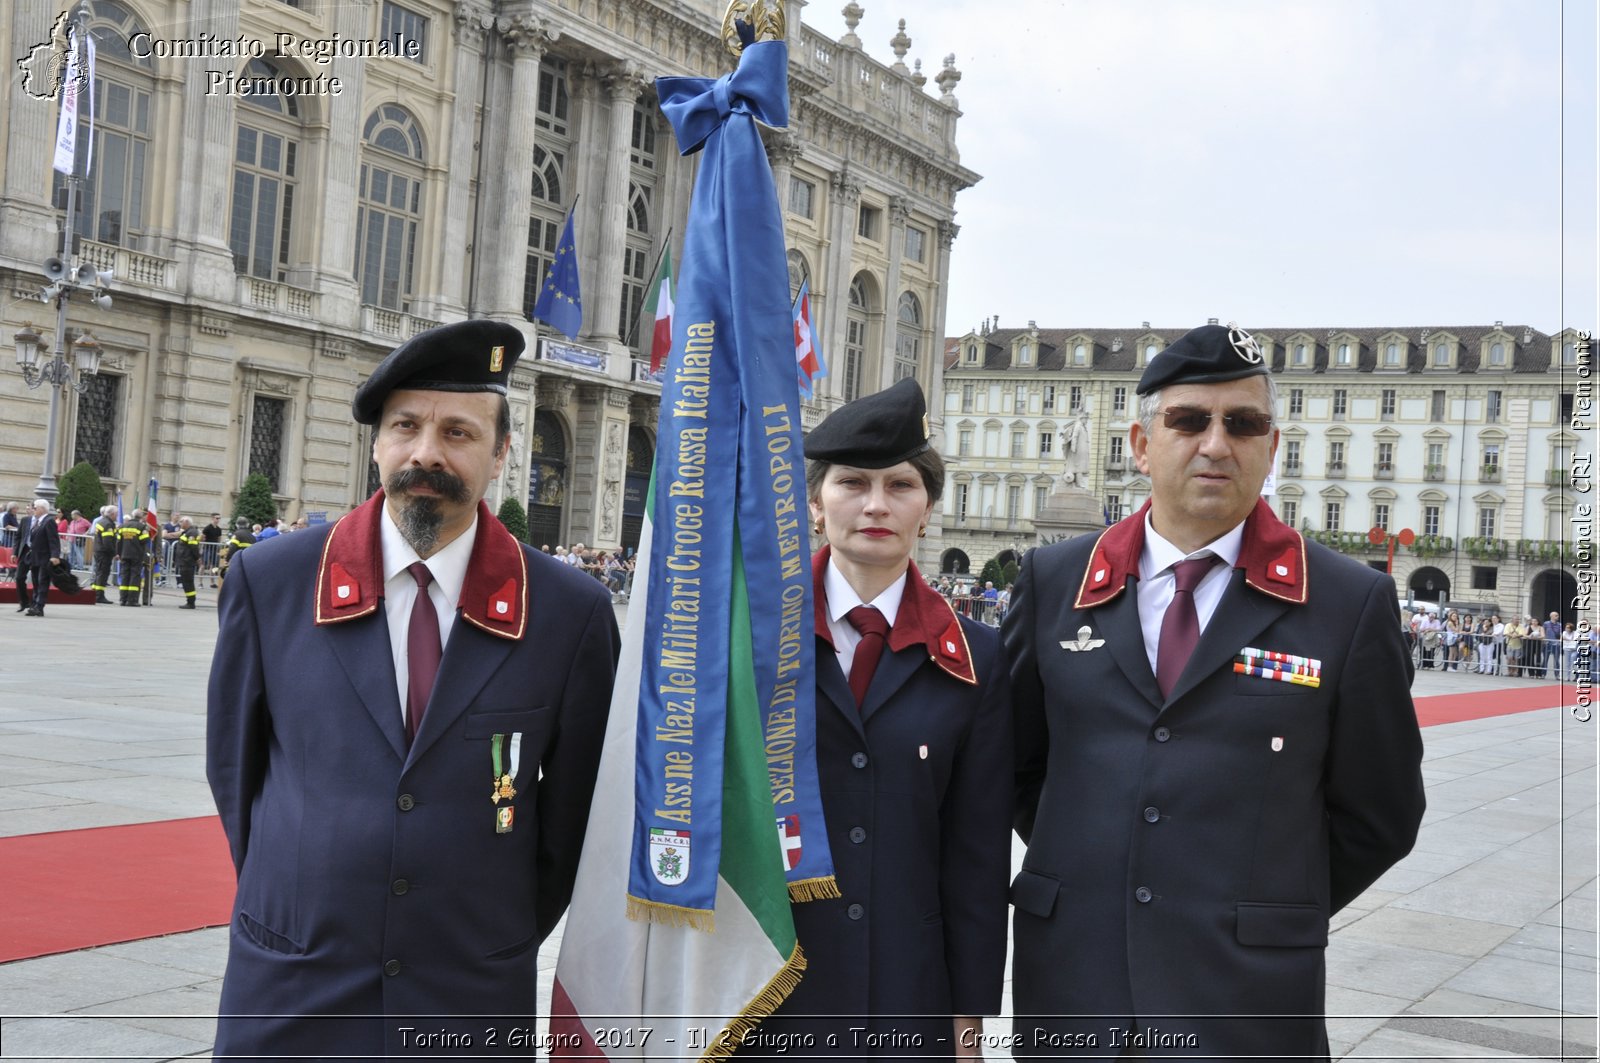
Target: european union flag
x,y
560,305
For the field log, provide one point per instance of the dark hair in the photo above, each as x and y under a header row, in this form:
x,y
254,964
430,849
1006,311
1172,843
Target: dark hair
x,y
502,425
929,465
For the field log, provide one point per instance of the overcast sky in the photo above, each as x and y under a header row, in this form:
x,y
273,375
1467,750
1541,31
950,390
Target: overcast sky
x,y
1277,162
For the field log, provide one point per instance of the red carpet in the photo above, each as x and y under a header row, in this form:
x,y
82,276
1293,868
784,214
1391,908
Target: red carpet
x,y
1453,708
77,888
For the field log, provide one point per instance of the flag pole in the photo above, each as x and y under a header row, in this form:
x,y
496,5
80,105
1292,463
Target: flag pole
x,y
633,333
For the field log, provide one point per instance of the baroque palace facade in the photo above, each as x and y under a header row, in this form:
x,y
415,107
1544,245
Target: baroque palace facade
x,y
1461,434
269,248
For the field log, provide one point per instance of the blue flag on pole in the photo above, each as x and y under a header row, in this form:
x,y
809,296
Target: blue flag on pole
x,y
559,304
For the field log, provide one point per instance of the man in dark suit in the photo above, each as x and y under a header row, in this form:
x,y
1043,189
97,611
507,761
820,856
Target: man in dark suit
x,y
404,721
43,557
1216,743
24,557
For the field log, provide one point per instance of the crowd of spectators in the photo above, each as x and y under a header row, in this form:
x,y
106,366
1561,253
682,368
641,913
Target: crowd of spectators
x,y
614,568
1491,645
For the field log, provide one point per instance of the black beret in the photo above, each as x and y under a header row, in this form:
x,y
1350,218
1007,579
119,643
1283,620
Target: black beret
x,y
1209,354
876,431
474,355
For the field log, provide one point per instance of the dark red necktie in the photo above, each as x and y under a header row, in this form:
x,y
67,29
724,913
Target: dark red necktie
x,y
1180,627
874,630
422,651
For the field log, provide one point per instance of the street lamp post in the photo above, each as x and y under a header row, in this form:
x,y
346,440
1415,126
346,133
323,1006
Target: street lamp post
x,y
67,274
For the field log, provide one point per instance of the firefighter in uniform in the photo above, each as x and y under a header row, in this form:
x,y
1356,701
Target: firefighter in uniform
x,y
185,558
133,545
103,536
242,538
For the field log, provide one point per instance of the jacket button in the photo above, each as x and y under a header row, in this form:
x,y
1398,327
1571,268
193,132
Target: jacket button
x,y
858,835
1152,814
406,802
1162,734
855,911
858,760
401,887
391,968
1143,895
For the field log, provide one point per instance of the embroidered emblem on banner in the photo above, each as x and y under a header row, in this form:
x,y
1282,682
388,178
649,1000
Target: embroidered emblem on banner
x,y
1084,641
669,855
789,840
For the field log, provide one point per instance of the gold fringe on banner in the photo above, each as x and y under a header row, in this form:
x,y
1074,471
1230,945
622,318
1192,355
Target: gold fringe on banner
x,y
672,915
815,889
765,1003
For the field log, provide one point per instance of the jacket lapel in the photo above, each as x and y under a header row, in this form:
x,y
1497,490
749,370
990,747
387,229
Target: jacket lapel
x,y
470,658
365,654
1118,623
834,688
895,668
1242,615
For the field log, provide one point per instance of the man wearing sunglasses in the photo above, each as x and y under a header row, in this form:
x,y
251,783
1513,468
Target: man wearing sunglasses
x,y
1216,745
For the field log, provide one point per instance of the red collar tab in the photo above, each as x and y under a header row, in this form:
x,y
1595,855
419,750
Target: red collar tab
x,y
494,596
350,577
1273,556
925,619
1115,557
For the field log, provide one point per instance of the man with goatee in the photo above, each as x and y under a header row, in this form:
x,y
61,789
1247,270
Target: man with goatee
x,y
404,721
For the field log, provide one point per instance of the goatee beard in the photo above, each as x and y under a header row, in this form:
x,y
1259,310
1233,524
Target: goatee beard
x,y
421,518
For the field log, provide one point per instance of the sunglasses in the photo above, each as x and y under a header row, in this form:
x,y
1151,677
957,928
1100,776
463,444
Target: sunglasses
x,y
1192,422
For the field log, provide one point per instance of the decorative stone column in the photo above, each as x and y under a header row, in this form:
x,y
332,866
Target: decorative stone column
x,y
845,193
205,172
501,274
470,31
340,294
623,85
899,212
782,152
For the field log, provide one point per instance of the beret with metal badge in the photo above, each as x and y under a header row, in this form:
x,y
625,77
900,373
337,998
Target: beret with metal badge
x,y
876,431
1209,354
474,355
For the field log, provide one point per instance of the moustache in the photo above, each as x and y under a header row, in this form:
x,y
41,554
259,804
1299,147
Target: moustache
x,y
446,484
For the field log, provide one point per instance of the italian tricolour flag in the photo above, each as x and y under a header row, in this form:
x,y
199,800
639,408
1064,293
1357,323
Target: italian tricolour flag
x,y
696,992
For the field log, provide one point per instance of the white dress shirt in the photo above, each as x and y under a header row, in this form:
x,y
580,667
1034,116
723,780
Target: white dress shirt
x,y
449,569
1157,581
842,598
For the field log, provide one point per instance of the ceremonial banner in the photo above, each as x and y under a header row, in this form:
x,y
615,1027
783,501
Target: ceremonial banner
x,y
560,304
710,749
67,125
807,352
660,305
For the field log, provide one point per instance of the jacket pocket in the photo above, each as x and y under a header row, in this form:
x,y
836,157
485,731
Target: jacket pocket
x,y
513,950
1284,926
485,725
264,936
1034,893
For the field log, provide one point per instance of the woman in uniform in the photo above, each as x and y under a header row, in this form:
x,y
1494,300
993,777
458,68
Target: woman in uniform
x,y
915,758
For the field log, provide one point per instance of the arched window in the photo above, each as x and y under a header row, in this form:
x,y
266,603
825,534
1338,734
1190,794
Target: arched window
x,y
111,205
855,339
545,216
799,273
266,149
636,262
390,208
907,336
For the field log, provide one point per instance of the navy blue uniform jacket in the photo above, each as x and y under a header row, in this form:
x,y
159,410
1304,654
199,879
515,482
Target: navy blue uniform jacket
x,y
1185,852
915,791
372,880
